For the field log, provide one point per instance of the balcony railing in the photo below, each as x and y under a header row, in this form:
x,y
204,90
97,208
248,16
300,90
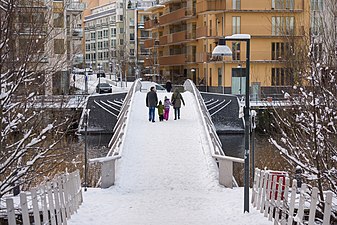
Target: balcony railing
x,y
150,23
76,6
172,60
201,32
211,5
203,57
175,16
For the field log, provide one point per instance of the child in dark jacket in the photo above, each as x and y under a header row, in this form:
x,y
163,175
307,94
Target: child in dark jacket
x,y
160,107
167,105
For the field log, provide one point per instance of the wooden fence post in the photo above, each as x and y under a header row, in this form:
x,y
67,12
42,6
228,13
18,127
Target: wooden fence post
x,y
36,210
57,202
62,203
10,211
45,205
292,202
327,208
299,217
313,201
264,190
24,208
51,204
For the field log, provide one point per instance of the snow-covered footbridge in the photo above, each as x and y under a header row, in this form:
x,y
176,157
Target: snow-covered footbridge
x,y
165,172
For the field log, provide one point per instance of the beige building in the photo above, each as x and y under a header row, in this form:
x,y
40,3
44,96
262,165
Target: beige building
x,y
186,33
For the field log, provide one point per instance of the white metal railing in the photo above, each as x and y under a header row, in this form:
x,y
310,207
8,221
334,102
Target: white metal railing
x,y
116,143
225,162
50,203
277,200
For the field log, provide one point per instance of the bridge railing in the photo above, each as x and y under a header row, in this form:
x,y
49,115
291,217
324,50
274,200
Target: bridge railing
x,y
225,162
116,143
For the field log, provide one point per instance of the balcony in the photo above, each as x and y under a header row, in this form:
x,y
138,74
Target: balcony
x,y
203,57
211,5
150,23
201,32
175,16
77,32
172,60
150,43
76,6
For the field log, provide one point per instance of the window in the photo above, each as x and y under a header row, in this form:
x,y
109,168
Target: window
x,y
219,77
99,35
93,36
58,20
210,28
105,44
120,17
236,49
282,4
316,5
100,45
87,57
121,42
113,32
100,55
59,46
105,33
280,77
283,25
278,50
236,4
87,37
87,47
236,25
132,37
121,30
132,52
93,56
93,46
105,55
113,43
317,51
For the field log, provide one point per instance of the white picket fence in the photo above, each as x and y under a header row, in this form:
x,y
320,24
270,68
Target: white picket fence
x,y
51,203
286,205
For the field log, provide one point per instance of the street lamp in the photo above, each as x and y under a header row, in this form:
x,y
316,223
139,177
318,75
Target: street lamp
x,y
223,50
193,75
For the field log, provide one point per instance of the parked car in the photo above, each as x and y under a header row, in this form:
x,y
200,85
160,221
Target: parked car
x,y
103,88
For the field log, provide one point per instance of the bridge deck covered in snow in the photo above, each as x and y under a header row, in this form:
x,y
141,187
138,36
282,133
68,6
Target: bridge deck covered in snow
x,y
166,175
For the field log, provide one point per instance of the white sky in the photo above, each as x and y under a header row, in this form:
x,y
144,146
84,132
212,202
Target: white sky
x,y
166,176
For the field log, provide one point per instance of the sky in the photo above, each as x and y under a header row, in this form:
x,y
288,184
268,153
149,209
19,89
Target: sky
x,y
166,176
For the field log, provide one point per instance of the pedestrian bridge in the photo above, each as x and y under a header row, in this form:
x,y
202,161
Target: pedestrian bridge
x,y
169,172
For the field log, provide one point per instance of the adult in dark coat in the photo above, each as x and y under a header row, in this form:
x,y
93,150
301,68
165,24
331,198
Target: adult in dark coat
x,y
151,102
176,101
168,86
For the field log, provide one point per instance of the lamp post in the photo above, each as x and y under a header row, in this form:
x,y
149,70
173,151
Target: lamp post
x,y
193,75
223,50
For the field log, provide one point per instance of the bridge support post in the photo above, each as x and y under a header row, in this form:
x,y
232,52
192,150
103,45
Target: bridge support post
x,y
226,169
226,173
108,170
108,173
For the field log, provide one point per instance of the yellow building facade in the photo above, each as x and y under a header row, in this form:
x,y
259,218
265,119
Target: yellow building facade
x,y
186,32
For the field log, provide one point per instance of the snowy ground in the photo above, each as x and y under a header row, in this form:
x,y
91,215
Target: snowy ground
x,y
93,81
166,176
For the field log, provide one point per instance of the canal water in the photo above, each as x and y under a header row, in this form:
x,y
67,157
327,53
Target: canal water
x,y
266,156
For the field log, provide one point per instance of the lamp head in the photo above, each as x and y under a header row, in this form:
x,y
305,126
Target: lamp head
x,y
222,50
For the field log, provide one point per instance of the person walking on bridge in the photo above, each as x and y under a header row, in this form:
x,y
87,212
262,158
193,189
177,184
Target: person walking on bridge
x,y
176,100
151,102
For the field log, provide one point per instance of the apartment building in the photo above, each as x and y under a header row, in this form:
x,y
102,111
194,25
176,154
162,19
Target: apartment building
x,y
187,32
114,36
45,39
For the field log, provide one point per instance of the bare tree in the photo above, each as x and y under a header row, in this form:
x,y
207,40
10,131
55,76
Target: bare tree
x,y
29,133
307,130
